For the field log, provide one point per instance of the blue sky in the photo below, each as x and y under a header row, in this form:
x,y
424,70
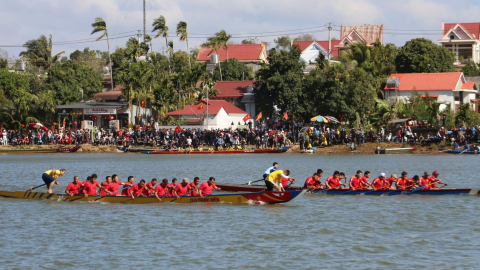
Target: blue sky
x,y
70,20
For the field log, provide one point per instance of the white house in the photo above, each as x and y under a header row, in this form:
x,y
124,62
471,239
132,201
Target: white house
x,y
462,39
312,49
216,114
450,88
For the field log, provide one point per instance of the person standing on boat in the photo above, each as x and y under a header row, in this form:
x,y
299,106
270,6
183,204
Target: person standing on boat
x,y
270,170
50,178
73,187
274,180
206,188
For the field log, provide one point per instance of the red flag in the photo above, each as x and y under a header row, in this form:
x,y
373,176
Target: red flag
x,y
178,129
285,115
259,116
1,129
200,107
245,119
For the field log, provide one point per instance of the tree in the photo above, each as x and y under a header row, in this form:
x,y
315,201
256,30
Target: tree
x,y
159,26
305,37
471,69
253,40
465,116
214,43
95,59
68,78
39,52
233,70
283,43
423,56
280,84
182,31
101,26
223,39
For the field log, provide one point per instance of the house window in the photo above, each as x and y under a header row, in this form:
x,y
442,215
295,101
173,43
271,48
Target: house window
x,y
452,36
457,98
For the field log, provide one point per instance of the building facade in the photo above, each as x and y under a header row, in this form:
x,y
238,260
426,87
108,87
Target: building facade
x,y
462,39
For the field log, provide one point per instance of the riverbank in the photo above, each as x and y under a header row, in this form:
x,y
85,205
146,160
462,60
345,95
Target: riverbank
x,y
368,148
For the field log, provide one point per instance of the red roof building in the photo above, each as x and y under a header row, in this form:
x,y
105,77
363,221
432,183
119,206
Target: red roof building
x,y
448,87
232,89
217,114
251,53
364,33
311,49
463,40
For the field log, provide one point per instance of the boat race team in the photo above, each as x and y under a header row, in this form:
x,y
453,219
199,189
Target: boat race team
x,y
273,177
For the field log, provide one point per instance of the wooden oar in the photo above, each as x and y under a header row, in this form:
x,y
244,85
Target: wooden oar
x,y
32,188
251,182
417,189
180,197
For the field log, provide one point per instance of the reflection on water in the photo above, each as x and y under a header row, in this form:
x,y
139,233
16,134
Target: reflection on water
x,y
359,232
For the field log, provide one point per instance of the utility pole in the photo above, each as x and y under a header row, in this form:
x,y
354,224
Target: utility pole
x,y
144,21
329,40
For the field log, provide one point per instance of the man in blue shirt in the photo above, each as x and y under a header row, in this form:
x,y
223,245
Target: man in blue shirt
x,y
270,170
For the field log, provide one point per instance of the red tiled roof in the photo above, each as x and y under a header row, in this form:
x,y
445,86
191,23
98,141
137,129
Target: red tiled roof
x,y
370,33
468,85
430,96
109,95
302,44
214,107
240,52
473,99
472,28
324,44
426,81
232,89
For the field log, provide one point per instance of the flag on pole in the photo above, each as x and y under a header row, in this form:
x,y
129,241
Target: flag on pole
x,y
285,115
259,116
246,118
1,129
178,129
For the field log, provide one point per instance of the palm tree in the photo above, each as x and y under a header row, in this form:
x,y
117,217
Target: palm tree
x,y
214,43
160,26
170,52
39,51
101,26
182,31
224,38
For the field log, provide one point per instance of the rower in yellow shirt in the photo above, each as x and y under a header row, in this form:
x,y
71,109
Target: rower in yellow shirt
x,y
274,180
50,178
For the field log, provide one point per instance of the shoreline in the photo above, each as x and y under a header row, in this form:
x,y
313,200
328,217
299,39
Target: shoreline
x,y
365,149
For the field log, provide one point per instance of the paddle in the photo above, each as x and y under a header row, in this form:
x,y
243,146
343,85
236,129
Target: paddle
x,y
417,189
251,182
462,152
32,188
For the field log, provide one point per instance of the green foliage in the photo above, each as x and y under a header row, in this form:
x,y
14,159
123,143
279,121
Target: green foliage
x,y
233,70
465,116
68,78
422,56
253,40
471,69
280,84
176,122
305,37
39,52
283,43
95,59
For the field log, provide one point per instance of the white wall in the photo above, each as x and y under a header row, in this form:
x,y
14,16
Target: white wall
x,y
443,96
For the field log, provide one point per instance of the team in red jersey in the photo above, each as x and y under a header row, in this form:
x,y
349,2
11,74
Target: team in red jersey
x,y
73,187
105,184
313,182
334,181
354,183
149,188
206,188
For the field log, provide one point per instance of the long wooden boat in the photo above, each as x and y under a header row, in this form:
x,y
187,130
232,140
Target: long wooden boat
x,y
68,149
258,188
28,151
405,150
459,151
255,151
137,150
267,197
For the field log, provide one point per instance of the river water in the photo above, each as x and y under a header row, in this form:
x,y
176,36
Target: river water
x,y
315,231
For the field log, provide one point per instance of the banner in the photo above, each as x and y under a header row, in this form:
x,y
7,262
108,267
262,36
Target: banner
x,y
99,111
259,116
246,118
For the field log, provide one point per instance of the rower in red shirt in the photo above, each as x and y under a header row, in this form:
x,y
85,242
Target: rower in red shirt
x,y
379,182
161,189
434,180
171,188
194,186
333,181
72,188
137,189
313,183
90,187
206,188
403,183
114,185
354,182
104,184
182,188
425,181
389,181
127,185
80,191
364,181
149,188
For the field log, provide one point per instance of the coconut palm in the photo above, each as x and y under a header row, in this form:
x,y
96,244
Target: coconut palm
x,y
214,43
159,26
39,51
182,31
224,38
101,26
